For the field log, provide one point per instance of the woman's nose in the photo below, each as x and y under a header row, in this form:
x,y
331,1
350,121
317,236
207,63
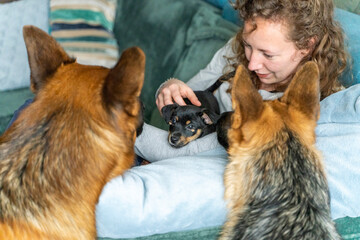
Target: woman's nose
x,y
255,62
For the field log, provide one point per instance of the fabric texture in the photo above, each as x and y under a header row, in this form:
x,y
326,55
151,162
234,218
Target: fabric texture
x,y
14,66
10,100
181,193
85,30
350,23
347,227
349,5
210,233
338,137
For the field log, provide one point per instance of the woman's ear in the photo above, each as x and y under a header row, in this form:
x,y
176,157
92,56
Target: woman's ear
x,y
311,45
303,53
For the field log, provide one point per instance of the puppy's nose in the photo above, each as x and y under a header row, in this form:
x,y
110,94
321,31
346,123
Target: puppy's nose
x,y
175,137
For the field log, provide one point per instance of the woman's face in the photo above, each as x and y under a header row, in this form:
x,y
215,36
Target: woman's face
x,y
270,54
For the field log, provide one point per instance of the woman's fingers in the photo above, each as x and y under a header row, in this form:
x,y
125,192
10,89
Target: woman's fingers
x,y
175,90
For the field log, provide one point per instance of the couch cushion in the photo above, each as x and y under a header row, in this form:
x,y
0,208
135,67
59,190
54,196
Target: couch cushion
x,y
84,29
14,67
207,33
350,23
9,102
349,5
347,227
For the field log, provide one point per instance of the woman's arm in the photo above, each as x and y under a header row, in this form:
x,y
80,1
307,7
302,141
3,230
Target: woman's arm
x,y
174,89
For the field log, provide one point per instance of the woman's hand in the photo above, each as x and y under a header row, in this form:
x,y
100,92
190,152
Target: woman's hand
x,y
175,90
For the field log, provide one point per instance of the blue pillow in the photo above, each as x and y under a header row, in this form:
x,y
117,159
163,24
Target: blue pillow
x,y
14,67
218,3
349,22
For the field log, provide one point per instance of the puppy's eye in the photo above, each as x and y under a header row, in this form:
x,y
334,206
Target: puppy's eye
x,y
190,126
173,121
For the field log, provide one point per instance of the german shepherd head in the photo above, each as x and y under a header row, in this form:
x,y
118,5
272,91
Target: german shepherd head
x,y
275,182
77,134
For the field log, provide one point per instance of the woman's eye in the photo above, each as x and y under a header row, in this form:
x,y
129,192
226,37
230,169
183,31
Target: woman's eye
x,y
268,56
246,45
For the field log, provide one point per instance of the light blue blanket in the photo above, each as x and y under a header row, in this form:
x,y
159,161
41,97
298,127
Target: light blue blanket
x,y
187,192
338,137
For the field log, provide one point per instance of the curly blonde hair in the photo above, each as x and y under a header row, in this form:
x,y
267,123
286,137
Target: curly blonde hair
x,y
311,26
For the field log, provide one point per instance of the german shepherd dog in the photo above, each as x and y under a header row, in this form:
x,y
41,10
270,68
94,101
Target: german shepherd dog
x,y
275,184
77,134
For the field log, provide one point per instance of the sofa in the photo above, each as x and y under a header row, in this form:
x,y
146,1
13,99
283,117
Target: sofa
x,y
179,37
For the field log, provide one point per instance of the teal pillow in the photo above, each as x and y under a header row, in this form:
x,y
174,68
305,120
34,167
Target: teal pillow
x,y
218,3
350,23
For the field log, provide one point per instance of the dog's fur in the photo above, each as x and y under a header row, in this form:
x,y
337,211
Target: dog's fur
x,y
189,122
77,134
275,181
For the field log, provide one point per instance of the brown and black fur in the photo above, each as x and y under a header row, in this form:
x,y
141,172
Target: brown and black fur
x,y
77,134
275,182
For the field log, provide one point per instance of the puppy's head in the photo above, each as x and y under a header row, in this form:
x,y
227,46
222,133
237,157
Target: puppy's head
x,y
186,123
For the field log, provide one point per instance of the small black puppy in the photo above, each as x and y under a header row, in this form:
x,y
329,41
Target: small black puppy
x,y
189,122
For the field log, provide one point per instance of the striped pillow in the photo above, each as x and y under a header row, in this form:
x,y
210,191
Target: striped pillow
x,y
84,28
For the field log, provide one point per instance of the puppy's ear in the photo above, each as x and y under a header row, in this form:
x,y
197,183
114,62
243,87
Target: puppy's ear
x,y
124,82
208,117
303,92
247,102
45,55
167,112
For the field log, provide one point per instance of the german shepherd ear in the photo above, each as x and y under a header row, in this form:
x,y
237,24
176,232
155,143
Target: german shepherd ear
x,y
167,112
45,55
124,82
247,102
303,92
